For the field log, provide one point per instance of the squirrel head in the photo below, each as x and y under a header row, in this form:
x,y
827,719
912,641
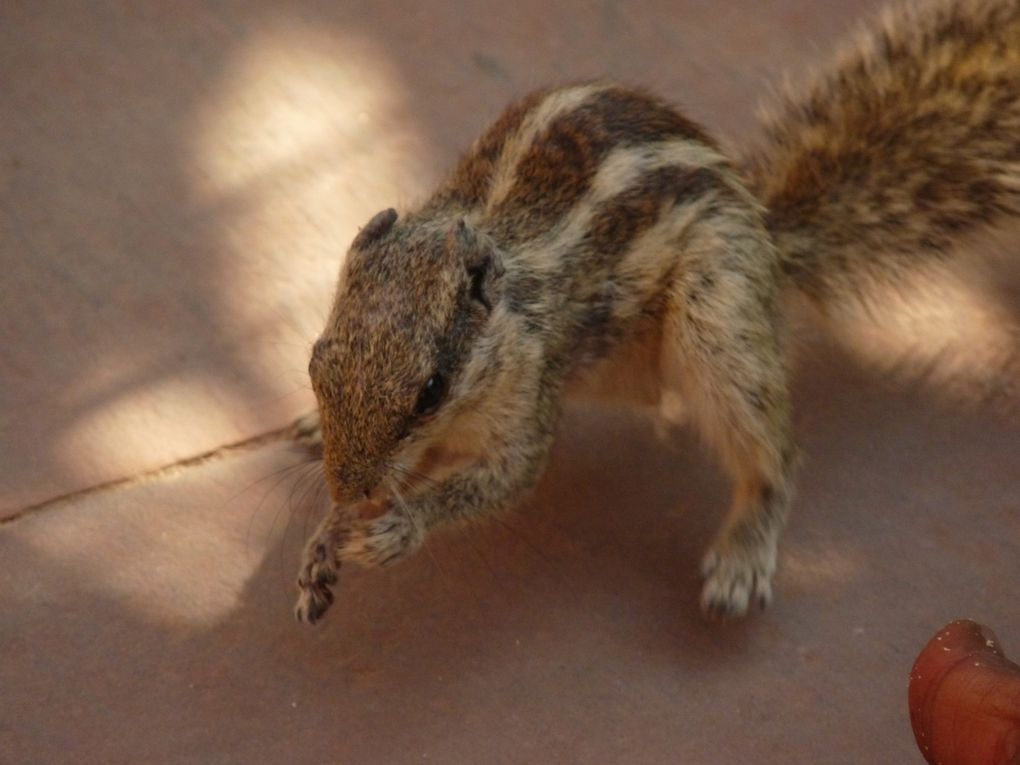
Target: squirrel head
x,y
413,303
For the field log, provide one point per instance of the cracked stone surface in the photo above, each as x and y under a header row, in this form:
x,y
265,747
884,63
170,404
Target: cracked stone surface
x,y
153,623
177,185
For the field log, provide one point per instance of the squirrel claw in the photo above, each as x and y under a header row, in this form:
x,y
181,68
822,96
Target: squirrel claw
x,y
317,576
313,602
733,583
378,541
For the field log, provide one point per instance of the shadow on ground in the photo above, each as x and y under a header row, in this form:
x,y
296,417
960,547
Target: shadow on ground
x,y
565,632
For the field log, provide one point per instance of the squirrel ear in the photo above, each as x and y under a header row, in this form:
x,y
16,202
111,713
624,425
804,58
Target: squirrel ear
x,y
481,259
381,223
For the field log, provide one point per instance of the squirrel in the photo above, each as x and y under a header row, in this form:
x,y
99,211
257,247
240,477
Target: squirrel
x,y
595,241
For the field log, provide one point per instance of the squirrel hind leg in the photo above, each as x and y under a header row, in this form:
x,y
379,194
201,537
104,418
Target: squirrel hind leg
x,y
722,354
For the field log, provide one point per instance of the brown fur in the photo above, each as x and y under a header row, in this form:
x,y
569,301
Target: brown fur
x,y
909,143
595,242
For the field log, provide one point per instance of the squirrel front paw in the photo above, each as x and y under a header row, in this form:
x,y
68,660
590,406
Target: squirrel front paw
x,y
377,541
382,540
318,575
307,430
736,577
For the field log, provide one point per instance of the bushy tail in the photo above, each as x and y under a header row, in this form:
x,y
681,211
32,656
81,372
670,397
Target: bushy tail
x,y
910,143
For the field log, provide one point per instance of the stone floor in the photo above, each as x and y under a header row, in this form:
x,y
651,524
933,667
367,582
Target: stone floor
x,y
178,182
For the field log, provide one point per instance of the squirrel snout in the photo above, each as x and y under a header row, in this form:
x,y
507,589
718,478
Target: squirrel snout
x,y
350,484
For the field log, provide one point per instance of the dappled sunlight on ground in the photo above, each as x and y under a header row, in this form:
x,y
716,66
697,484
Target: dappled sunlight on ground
x,y
178,551
814,568
116,429
300,141
952,327
302,99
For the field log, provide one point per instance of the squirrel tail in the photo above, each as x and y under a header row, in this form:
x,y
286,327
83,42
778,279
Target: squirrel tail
x,y
910,143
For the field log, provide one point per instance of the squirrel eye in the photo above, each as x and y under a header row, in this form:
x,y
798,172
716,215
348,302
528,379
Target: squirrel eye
x,y
431,395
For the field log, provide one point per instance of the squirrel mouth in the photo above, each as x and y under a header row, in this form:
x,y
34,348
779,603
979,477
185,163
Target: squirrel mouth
x,y
402,482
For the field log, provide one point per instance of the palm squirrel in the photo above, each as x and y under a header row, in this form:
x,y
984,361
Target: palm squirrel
x,y
594,240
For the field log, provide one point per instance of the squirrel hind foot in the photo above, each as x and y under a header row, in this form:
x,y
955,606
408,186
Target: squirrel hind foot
x,y
736,581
